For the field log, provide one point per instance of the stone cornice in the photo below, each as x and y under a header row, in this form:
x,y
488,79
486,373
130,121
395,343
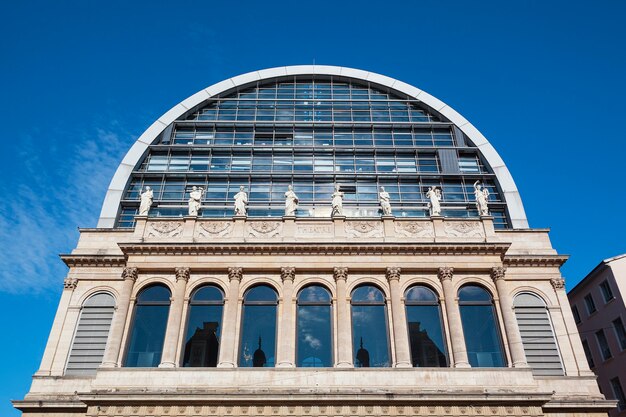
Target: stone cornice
x,y
315,249
535,260
93,260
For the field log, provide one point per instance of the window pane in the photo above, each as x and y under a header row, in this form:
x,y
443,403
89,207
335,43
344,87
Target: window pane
x,y
369,336
147,335
426,336
482,338
314,336
258,340
203,335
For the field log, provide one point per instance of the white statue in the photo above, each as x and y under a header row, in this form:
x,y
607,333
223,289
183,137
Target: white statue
x,y
195,200
434,195
337,202
384,199
241,199
146,201
291,202
481,194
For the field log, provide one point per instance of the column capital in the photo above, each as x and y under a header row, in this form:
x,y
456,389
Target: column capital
x,y
235,273
70,283
497,273
557,283
130,272
340,273
182,272
393,273
445,273
287,273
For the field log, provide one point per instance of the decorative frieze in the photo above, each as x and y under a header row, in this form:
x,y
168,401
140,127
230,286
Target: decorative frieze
x,y
287,273
264,228
464,229
131,273
235,273
165,229
414,229
70,283
393,273
340,273
214,229
445,273
364,229
182,273
497,273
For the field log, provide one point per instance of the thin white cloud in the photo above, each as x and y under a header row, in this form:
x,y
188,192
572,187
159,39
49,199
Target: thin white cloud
x,y
59,189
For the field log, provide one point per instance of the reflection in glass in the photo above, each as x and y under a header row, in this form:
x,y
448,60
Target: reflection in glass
x,y
482,337
314,328
425,331
204,327
258,339
370,339
148,328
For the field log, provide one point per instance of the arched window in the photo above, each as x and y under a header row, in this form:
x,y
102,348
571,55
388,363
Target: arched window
x,y
542,353
370,340
423,316
204,325
148,328
258,336
314,328
482,337
91,335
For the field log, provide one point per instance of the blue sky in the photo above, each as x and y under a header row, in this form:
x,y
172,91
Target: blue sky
x,y
543,81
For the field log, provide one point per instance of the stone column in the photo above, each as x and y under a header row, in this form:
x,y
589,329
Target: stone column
x,y
174,320
455,326
287,333
518,357
228,348
69,285
400,332
344,332
116,332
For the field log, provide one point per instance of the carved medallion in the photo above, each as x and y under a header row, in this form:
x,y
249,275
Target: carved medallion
x,y
264,229
214,229
165,229
414,229
463,229
364,229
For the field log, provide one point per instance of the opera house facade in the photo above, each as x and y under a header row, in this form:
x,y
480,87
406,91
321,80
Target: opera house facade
x,y
313,241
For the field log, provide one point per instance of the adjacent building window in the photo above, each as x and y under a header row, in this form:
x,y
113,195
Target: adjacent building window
x,y
619,394
482,336
423,315
607,293
604,345
576,314
204,325
370,338
148,328
314,317
91,335
620,332
591,305
540,346
588,354
258,337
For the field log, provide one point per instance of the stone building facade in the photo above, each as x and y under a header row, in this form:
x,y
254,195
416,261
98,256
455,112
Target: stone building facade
x,y
354,314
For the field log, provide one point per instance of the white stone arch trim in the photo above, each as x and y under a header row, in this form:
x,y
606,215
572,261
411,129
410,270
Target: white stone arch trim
x,y
369,280
206,281
113,196
327,283
255,282
431,282
139,287
487,284
532,291
98,290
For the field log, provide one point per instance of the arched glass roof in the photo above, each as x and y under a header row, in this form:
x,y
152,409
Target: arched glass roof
x,y
311,129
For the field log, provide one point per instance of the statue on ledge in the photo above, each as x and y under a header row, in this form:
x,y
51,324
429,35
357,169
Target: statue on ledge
x,y
482,195
241,199
434,195
385,201
146,201
195,200
337,202
291,202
